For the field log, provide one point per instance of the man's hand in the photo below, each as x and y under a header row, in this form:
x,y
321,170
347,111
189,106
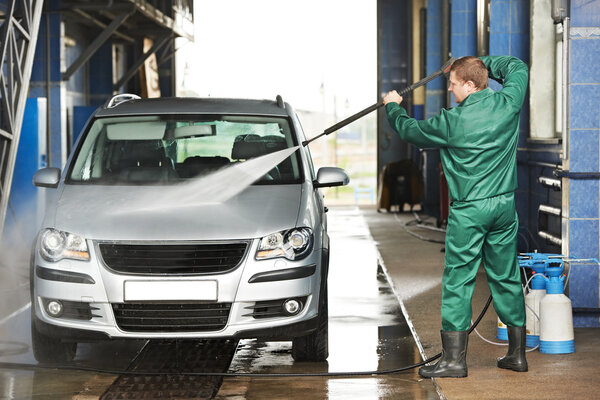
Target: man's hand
x,y
392,97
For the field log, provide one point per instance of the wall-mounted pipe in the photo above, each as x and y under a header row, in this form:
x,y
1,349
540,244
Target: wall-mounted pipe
x,y
538,164
446,41
565,87
576,175
560,10
483,27
551,238
566,44
549,210
49,160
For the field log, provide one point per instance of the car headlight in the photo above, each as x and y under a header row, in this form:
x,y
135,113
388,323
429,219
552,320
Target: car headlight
x,y
292,244
56,245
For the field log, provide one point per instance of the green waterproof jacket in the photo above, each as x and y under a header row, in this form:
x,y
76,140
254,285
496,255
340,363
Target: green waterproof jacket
x,y
478,138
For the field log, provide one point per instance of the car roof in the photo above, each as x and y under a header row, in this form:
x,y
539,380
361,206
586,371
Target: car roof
x,y
191,105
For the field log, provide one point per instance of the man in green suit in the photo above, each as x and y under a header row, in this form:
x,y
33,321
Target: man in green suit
x,y
478,145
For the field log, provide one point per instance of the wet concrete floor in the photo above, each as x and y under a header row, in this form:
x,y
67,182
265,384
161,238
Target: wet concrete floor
x,y
367,331
415,269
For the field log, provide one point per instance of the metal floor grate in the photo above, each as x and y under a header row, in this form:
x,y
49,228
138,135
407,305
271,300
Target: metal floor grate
x,y
173,357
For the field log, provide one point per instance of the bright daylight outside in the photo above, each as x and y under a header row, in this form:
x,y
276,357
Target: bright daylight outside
x,y
321,57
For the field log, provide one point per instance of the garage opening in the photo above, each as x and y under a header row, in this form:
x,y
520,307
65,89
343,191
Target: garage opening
x,y
321,57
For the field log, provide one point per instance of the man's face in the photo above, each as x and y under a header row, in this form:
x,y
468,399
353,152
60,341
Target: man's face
x,y
459,89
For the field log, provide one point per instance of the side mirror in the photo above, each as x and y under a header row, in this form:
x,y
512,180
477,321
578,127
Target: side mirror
x,y
331,176
47,177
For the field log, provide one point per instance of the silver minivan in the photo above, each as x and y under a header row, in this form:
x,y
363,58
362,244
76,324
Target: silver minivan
x,y
105,265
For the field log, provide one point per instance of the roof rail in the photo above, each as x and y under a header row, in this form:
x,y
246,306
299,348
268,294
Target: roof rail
x,y
280,101
121,98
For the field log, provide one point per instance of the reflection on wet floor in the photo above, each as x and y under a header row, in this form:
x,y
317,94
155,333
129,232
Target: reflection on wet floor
x,y
367,331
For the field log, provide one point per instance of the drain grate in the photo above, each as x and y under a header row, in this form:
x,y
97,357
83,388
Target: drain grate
x,y
172,357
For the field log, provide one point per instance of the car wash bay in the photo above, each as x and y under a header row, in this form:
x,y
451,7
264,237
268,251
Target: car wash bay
x,y
557,203
384,282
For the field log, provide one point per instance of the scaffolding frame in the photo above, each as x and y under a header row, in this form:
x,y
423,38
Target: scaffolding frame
x,y
18,36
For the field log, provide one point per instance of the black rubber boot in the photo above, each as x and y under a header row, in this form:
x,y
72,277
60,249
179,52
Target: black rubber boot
x,y
453,363
515,357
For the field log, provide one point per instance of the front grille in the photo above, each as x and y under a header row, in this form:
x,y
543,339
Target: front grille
x,y
173,259
170,317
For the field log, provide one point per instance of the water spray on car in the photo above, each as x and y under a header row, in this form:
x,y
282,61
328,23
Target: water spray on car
x,y
216,188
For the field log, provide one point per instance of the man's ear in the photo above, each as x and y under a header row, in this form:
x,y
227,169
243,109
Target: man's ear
x,y
471,85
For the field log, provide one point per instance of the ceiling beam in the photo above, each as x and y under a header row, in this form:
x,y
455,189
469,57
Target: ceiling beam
x,y
101,24
95,45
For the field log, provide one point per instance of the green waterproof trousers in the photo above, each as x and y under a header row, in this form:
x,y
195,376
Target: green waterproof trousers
x,y
482,230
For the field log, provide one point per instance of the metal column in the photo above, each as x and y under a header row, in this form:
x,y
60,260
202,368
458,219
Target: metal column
x,y
18,36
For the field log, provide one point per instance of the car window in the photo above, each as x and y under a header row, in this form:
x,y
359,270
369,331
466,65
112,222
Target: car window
x,y
167,149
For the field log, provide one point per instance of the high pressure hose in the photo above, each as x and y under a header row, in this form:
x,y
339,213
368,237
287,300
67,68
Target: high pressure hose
x,y
244,374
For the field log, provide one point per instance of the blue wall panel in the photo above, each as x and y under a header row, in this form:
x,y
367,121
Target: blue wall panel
x,y
583,199
435,99
39,70
584,154
463,35
585,13
509,28
585,103
101,75
581,151
585,70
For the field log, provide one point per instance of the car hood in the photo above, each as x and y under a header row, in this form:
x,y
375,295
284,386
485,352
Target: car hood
x,y
112,213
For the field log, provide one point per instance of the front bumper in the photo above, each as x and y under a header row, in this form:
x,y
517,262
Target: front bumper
x,y
298,279
284,332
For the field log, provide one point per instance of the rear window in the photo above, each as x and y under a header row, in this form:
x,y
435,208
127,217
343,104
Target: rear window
x,y
166,149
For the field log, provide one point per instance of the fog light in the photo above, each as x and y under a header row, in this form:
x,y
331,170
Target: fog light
x,y
292,306
54,308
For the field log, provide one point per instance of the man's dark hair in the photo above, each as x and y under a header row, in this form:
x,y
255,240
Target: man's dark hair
x,y
471,69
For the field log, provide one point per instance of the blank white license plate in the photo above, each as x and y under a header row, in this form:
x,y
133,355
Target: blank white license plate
x,y
170,290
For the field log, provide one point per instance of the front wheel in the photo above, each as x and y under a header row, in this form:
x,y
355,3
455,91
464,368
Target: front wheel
x,y
314,346
48,349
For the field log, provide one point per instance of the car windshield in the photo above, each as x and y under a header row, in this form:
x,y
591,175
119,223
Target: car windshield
x,y
166,149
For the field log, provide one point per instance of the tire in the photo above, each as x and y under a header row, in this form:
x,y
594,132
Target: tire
x,y
47,349
314,346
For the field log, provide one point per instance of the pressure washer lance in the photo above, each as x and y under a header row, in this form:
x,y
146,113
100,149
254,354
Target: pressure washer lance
x,y
442,71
